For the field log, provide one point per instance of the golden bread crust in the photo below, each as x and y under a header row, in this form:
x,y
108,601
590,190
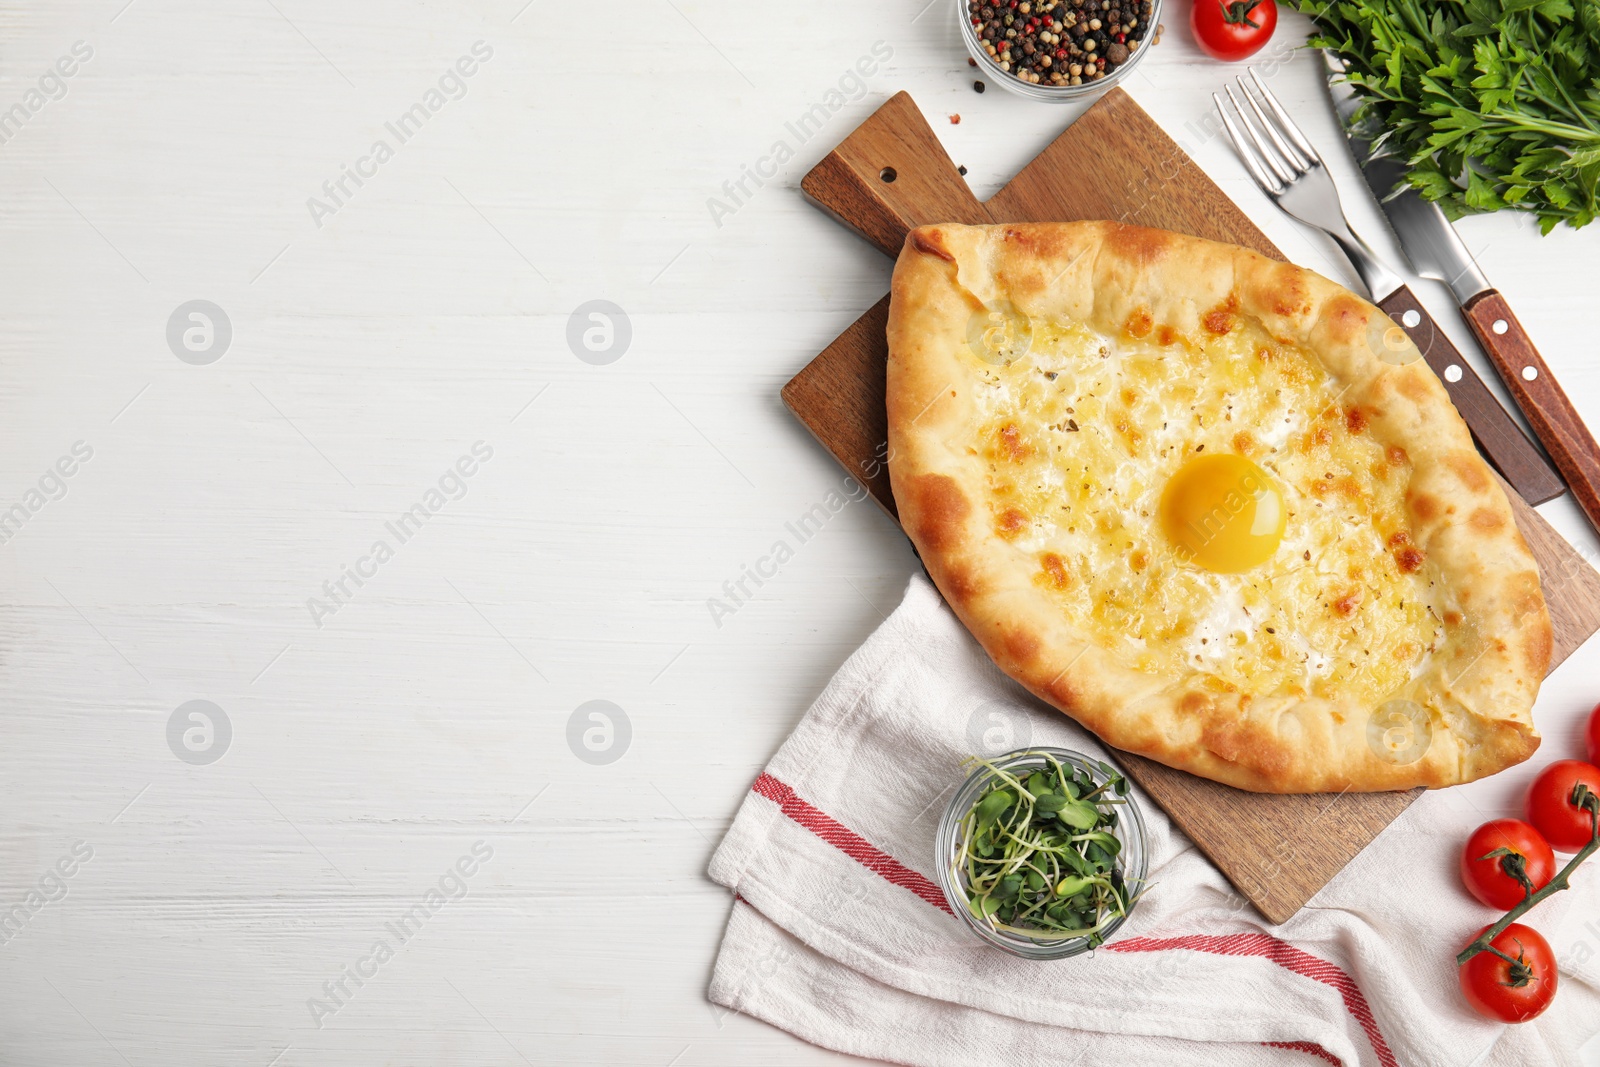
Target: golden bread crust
x,y
1476,685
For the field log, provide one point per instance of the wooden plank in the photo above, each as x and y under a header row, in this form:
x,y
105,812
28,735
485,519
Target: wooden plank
x,y
1116,162
842,393
1138,174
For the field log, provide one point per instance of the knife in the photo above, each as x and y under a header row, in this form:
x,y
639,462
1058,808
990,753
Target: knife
x,y
1435,251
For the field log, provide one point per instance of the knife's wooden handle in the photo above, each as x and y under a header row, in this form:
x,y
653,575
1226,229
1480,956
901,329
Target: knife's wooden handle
x,y
1541,399
1496,432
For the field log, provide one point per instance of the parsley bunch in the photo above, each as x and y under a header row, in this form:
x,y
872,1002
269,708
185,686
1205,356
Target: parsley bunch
x,y
1495,103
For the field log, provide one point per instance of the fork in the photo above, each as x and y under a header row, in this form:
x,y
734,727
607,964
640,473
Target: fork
x,y
1298,182
1289,170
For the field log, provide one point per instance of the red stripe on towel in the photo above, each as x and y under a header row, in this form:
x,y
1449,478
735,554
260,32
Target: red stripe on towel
x,y
1284,955
848,841
1265,946
1309,1047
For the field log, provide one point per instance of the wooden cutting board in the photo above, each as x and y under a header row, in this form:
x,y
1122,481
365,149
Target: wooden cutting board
x,y
1114,162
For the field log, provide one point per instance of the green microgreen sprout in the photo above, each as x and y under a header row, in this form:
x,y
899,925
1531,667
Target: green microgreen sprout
x,y
1038,851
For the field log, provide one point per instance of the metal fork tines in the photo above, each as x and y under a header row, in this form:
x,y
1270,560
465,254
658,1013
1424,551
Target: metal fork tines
x,y
1291,172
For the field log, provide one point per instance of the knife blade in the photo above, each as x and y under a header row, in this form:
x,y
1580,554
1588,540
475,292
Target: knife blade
x,y
1434,250
1429,242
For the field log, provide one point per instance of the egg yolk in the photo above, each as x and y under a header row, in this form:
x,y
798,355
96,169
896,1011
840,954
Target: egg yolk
x,y
1223,513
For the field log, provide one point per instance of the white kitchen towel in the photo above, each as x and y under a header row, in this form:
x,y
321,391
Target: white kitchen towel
x,y
840,935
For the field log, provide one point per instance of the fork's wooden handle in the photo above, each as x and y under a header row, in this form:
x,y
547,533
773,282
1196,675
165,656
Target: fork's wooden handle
x,y
1497,433
1540,397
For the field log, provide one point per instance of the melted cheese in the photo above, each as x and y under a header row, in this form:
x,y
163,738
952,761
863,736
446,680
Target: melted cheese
x,y
1080,435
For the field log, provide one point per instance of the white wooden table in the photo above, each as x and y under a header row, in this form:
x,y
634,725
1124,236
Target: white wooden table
x,y
376,734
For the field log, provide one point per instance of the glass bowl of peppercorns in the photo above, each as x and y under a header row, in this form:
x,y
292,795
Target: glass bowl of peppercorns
x,y
1058,49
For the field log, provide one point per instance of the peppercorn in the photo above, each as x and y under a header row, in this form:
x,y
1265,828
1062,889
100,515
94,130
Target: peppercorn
x,y
1058,42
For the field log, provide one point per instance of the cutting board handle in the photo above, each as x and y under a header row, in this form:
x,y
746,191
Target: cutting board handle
x,y
890,176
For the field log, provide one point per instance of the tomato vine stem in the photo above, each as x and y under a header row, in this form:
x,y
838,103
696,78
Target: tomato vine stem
x,y
1582,797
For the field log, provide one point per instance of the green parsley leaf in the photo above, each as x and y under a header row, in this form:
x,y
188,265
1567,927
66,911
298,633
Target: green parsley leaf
x,y
1495,103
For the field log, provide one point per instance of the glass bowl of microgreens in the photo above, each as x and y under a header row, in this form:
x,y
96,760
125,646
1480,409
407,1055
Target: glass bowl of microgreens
x,y
1042,852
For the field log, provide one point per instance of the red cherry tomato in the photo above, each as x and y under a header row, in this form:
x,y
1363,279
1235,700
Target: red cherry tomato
x,y
1512,990
1492,878
1231,30
1594,736
1565,825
